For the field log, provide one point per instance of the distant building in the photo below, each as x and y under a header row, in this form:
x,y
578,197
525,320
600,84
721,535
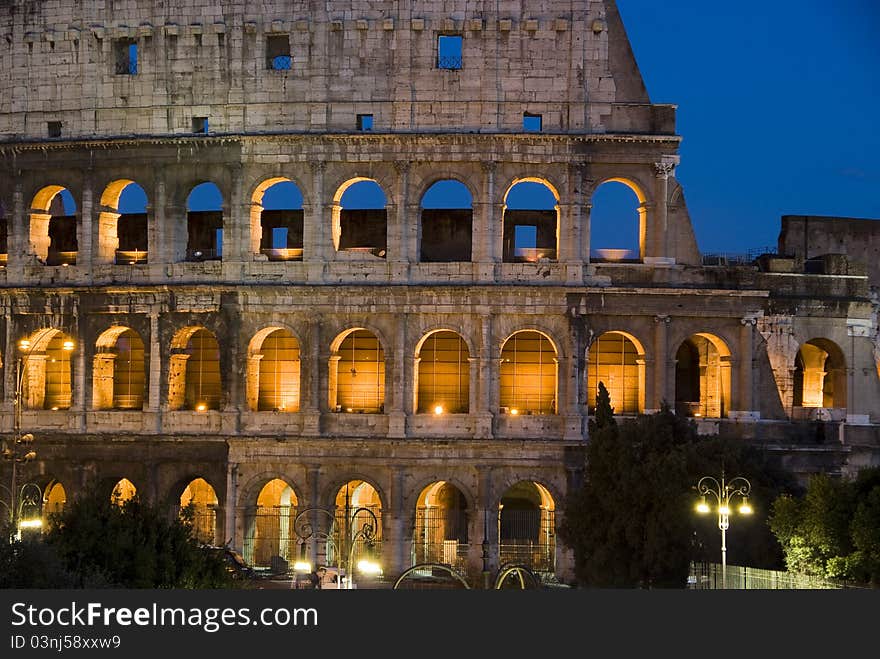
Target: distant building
x,y
425,369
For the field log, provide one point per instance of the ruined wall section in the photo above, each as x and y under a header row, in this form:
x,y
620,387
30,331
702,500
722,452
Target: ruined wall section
x,y
209,59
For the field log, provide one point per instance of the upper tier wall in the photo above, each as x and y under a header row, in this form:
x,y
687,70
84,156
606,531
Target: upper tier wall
x,y
567,61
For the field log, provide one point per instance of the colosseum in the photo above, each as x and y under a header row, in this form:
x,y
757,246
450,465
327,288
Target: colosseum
x,y
289,260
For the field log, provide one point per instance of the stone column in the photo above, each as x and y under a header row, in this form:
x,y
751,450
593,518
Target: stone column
x,y
252,382
401,233
487,401
103,372
315,233
484,229
571,226
236,219
155,375
159,232
17,236
657,242
396,550
399,384
661,360
567,374
745,380
485,528
231,518
311,402
85,238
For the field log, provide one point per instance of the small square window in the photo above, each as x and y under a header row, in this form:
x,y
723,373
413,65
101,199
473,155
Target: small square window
x,y
200,124
365,122
278,52
532,123
54,128
449,51
126,56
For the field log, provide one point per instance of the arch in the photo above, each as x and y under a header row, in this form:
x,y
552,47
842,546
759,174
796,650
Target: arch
x,y
204,223
820,375
118,370
123,492
446,222
277,220
198,506
528,374
618,221
122,224
194,381
54,500
530,221
360,217
46,371
357,373
273,371
269,536
357,504
442,374
53,226
617,359
527,527
440,532
702,377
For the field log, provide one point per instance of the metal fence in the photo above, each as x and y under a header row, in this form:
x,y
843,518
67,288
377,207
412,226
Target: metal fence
x,y
441,536
707,576
527,537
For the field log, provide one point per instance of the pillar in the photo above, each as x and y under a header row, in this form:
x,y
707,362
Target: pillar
x,y
401,233
103,371
661,361
316,238
744,408
485,228
85,238
400,384
155,374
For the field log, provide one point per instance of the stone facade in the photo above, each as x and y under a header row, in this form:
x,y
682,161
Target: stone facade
x,y
767,351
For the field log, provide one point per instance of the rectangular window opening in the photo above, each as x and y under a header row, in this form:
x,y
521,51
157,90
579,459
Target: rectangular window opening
x,y
532,123
279,238
278,52
54,128
126,56
525,237
365,122
200,125
449,54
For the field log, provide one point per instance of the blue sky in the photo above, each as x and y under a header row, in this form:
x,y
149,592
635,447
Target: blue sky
x,y
778,107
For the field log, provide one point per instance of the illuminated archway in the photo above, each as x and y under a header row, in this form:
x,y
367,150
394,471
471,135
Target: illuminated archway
x,y
194,373
360,218
357,503
123,492
357,373
441,526
820,375
277,220
118,373
46,379
446,223
527,527
702,377
528,374
54,500
122,224
530,222
273,376
198,505
618,221
443,374
270,530
53,226
617,360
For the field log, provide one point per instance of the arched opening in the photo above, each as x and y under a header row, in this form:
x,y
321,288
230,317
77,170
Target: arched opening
x,y
618,361
446,223
273,377
53,230
528,374
530,222
118,372
270,538
122,224
123,492
360,218
198,506
357,373
194,372
441,526
204,223
359,522
527,528
443,385
54,500
46,376
702,377
819,377
617,222
277,220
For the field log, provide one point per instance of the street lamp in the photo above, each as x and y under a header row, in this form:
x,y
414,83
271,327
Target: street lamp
x,y
19,450
367,531
306,527
723,493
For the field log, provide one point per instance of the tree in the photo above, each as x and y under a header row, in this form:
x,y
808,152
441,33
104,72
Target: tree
x,y
131,545
632,522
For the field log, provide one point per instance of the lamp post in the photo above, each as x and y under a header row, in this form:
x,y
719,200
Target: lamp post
x,y
367,531
723,493
307,528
